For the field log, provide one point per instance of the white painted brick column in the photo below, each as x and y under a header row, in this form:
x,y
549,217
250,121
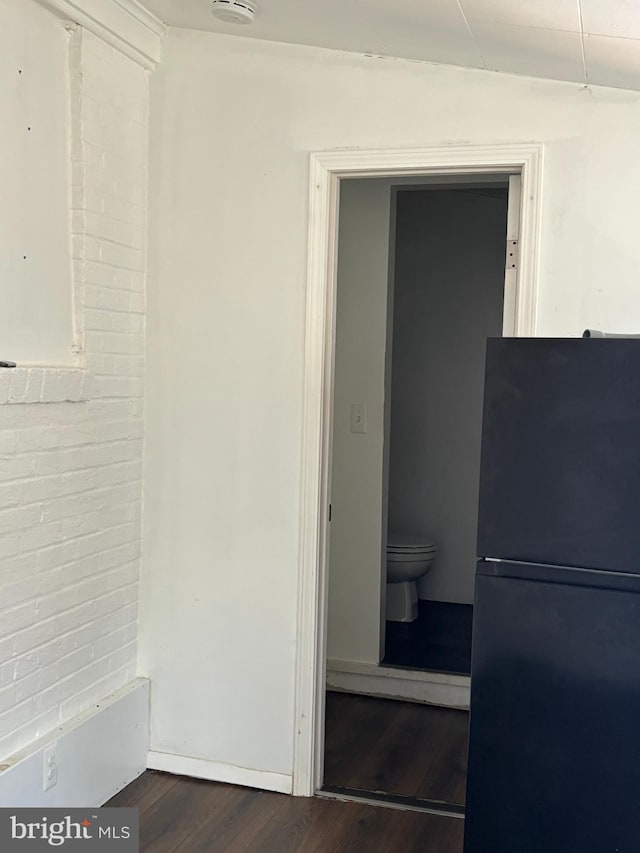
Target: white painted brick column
x,y
71,440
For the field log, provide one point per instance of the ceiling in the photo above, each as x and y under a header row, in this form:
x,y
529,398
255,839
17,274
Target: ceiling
x,y
586,41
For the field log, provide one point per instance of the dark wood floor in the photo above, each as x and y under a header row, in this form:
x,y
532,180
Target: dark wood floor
x,y
396,747
190,816
439,640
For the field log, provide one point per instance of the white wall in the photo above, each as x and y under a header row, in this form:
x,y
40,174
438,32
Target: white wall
x,y
358,521
449,283
35,267
71,441
233,123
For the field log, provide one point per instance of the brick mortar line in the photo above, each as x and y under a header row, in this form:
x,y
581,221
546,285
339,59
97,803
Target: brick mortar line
x,y
38,479
18,656
77,561
43,645
75,257
69,610
66,678
86,232
82,537
43,502
50,450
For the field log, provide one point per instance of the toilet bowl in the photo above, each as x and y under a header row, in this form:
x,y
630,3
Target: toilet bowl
x,y
408,559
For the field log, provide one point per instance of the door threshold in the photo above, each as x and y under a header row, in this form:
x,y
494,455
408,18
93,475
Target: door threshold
x,y
426,670
408,685
391,801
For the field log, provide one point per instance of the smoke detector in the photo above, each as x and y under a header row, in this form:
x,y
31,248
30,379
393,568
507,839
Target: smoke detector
x,y
234,11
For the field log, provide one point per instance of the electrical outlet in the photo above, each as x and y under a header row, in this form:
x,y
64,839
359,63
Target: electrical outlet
x,y
49,768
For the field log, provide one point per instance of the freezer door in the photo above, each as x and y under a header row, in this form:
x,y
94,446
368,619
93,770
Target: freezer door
x,y
560,471
554,761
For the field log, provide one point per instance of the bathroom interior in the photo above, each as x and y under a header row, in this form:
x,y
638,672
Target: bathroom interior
x,y
420,287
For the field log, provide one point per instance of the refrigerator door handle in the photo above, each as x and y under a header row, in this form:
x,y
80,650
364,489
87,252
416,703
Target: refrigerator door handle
x,y
593,333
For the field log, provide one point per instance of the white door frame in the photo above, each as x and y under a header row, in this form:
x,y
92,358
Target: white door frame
x,y
327,169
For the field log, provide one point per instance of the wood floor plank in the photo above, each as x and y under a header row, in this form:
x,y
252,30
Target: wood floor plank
x,y
420,833
298,824
145,790
446,775
365,829
246,813
367,769
180,815
352,724
173,817
407,755
396,747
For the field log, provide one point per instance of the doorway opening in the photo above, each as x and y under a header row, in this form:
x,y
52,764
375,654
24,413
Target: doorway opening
x,y
454,257
420,286
365,665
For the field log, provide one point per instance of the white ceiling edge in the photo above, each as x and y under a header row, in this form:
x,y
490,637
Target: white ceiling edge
x,y
125,24
582,84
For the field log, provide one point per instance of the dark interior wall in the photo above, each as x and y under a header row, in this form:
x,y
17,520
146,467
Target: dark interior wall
x,y
449,281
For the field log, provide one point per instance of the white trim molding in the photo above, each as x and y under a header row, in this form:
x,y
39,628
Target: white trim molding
x,y
408,685
125,24
98,753
217,771
326,171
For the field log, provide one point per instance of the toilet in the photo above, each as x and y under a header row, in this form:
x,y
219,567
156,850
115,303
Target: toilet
x,y
408,559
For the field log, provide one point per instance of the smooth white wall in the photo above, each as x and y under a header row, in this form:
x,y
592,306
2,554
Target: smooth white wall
x,y
233,123
358,522
35,216
449,284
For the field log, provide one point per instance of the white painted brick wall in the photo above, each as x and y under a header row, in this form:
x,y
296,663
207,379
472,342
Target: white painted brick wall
x,y
71,440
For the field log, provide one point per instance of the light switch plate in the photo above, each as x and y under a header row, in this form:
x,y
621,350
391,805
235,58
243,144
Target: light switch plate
x,y
358,417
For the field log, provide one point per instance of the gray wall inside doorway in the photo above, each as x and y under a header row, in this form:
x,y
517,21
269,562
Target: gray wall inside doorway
x,y
449,283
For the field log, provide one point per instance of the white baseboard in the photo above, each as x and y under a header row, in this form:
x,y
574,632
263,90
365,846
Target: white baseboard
x,y
217,771
97,753
430,688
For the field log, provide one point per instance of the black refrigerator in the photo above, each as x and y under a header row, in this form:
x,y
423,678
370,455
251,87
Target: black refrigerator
x,y
554,754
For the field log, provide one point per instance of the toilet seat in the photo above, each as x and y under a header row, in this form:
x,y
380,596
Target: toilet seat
x,y
406,547
411,558
413,549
